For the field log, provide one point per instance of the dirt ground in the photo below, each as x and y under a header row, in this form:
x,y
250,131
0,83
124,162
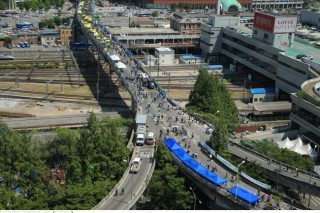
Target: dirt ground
x,y
30,107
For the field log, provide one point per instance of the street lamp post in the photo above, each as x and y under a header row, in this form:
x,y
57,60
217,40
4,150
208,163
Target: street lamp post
x,y
127,161
238,178
195,199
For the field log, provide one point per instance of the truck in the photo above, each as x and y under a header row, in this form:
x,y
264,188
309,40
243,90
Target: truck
x,y
151,84
150,138
135,165
141,129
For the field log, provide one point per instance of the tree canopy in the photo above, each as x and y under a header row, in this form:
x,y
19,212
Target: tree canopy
x,y
167,188
284,155
211,100
92,159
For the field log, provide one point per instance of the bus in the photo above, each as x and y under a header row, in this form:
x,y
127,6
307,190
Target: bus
x,y
144,14
81,46
24,25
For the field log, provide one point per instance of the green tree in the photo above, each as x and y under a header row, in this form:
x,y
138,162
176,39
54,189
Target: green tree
x,y
155,14
49,23
210,96
42,24
20,166
47,4
167,188
219,139
65,20
173,7
3,6
57,20
7,40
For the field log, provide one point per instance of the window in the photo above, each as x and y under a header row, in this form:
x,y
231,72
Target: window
x,y
266,36
255,32
255,100
261,99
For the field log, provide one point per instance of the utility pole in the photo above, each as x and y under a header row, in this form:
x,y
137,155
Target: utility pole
x,y
158,68
169,83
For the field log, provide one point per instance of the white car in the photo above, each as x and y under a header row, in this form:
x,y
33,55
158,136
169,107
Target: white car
x,y
142,75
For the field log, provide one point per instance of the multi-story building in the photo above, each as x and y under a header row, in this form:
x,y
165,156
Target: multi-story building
x,y
187,23
201,4
276,4
66,35
270,52
194,4
311,17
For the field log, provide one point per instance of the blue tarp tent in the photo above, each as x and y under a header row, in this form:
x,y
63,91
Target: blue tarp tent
x,y
215,67
115,39
244,194
176,149
163,93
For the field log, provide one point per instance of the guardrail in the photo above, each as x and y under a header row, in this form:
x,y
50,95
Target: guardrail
x,y
232,167
142,187
221,191
278,163
129,145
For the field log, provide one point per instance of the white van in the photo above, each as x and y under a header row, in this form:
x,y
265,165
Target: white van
x,y
150,138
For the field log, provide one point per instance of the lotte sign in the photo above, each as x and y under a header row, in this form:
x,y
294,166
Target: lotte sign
x,y
275,24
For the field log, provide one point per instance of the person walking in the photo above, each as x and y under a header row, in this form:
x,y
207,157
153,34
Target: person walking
x,y
122,191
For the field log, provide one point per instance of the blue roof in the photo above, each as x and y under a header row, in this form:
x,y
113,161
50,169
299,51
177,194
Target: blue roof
x,y
193,57
49,32
215,67
262,90
244,194
192,163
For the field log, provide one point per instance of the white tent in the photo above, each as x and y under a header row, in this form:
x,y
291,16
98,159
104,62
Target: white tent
x,y
115,58
121,65
299,147
286,143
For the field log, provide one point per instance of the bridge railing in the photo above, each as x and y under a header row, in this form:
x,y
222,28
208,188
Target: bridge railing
x,y
142,188
106,56
232,167
221,190
275,162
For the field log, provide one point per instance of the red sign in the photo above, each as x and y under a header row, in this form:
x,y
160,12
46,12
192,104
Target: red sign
x,y
264,21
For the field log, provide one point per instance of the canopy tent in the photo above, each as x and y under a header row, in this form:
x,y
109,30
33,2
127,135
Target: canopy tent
x,y
186,159
244,194
298,147
163,93
286,143
115,58
121,65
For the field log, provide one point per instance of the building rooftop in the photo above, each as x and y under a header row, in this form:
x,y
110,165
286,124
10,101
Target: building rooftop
x,y
301,48
141,31
181,15
262,90
161,49
271,106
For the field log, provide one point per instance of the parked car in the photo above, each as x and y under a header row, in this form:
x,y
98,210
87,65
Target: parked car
x,y
300,56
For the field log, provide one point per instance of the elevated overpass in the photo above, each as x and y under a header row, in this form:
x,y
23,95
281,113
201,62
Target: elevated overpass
x,y
117,202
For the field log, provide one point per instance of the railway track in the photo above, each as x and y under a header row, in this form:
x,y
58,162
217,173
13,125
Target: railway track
x,y
49,122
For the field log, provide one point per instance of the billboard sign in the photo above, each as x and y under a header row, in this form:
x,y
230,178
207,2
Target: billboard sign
x,y
285,24
275,24
264,21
